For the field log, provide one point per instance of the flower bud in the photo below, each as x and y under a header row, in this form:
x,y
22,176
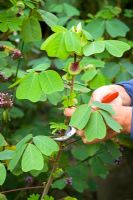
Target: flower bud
x,y
15,54
5,100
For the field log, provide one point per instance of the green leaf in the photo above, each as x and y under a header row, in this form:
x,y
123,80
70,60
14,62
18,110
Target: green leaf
x,y
96,28
6,154
70,198
55,46
59,184
98,167
104,106
116,28
31,30
82,152
87,61
70,10
72,42
32,159
93,48
16,157
48,197
34,197
51,82
2,197
106,157
113,148
89,74
16,113
96,128
2,173
2,141
54,98
84,112
37,173
97,81
30,88
79,183
45,61
116,48
111,122
46,145
26,139
58,28
49,18
81,88
39,68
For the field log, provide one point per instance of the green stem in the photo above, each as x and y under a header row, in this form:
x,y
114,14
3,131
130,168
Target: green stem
x,y
50,179
20,189
19,62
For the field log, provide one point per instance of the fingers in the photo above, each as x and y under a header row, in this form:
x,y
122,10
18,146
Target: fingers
x,y
69,111
80,133
110,135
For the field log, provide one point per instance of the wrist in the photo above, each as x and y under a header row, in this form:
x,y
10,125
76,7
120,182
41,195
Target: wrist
x,y
127,119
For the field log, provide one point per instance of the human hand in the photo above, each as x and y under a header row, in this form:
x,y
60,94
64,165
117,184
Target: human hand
x,y
123,114
123,98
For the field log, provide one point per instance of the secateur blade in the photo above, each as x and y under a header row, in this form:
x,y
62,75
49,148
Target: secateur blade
x,y
68,134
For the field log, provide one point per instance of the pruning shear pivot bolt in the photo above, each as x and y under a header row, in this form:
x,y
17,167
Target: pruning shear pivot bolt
x,y
68,134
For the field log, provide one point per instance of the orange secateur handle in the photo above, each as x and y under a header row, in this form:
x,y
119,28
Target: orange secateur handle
x,y
110,97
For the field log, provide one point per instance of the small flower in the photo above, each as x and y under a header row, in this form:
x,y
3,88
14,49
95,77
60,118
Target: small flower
x,y
118,161
74,68
15,54
5,100
29,179
69,180
3,78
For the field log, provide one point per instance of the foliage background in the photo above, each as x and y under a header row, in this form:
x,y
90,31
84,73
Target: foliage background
x,y
27,117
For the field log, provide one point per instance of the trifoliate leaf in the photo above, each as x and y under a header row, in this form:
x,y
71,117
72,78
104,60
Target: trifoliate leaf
x,y
55,46
30,88
32,159
111,122
81,116
95,128
2,173
93,48
115,28
116,48
50,82
104,106
72,42
46,145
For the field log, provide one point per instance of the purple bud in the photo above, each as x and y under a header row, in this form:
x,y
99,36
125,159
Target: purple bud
x,y
118,161
69,180
5,100
15,54
29,179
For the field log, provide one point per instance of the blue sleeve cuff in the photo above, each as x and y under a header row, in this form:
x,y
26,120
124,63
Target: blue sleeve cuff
x,y
128,85
132,126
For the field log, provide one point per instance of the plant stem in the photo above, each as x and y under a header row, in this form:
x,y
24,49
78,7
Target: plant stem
x,y
19,189
19,61
50,179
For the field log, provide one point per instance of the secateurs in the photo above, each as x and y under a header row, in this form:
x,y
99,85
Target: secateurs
x,y
71,130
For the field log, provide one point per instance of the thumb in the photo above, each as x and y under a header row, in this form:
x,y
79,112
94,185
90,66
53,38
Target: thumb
x,y
69,111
